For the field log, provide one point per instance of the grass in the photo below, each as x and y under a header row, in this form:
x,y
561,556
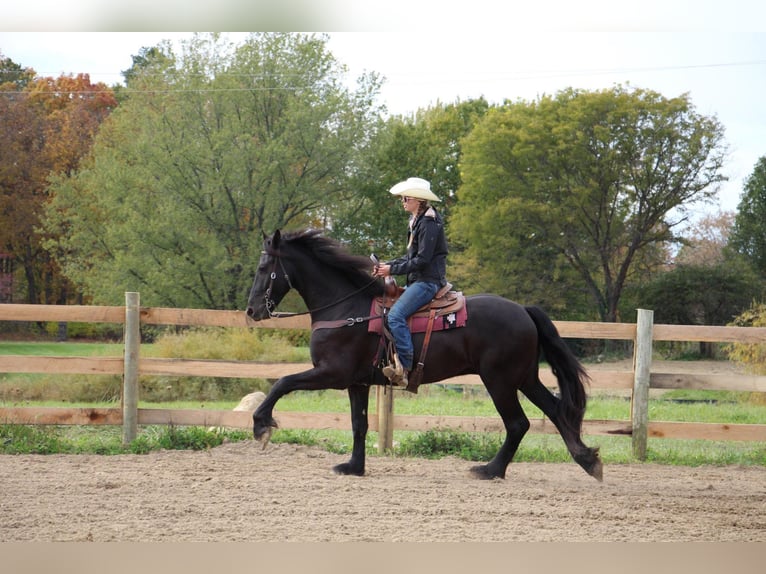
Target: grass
x,y
437,400
63,349
434,400
430,444
476,447
24,439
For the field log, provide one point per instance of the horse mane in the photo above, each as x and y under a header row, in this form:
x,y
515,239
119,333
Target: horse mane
x,y
334,254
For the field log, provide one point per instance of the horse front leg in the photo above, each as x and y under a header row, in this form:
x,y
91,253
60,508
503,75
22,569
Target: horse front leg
x,y
263,421
359,396
311,380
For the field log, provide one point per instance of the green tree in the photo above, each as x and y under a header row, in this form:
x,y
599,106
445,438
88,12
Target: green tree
x,y
208,151
748,236
427,144
14,75
583,186
701,294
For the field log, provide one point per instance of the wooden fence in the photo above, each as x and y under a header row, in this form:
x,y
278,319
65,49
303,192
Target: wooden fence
x,y
131,366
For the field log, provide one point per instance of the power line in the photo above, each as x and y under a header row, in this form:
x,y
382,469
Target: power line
x,y
543,74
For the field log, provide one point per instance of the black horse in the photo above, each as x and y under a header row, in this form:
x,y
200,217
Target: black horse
x,y
501,342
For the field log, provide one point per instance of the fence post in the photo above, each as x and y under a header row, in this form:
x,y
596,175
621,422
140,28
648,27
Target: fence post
x,y
132,336
642,365
385,398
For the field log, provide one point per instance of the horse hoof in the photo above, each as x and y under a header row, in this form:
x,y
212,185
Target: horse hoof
x,y
482,472
597,470
347,469
265,438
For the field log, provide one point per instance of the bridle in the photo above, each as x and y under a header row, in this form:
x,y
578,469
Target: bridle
x,y
271,305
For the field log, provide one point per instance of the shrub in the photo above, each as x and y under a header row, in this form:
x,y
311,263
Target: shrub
x,y
75,330
751,355
217,344
441,443
20,439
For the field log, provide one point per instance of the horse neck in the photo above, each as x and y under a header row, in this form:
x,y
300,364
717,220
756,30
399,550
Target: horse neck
x,y
327,292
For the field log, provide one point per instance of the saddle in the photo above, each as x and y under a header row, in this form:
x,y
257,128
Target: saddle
x,y
447,310
447,305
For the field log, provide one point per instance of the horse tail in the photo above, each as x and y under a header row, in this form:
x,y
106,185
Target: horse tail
x,y
569,372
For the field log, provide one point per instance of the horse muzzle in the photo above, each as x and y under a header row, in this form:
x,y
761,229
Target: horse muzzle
x,y
257,315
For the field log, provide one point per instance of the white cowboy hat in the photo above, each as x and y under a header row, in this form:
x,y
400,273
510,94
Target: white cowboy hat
x,y
415,187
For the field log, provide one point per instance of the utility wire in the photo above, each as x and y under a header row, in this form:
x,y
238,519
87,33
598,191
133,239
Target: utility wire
x,y
543,74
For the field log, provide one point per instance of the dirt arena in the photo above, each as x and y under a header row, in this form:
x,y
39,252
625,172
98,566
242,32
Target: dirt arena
x,y
238,492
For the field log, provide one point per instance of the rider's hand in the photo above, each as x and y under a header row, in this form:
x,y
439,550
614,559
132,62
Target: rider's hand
x,y
382,270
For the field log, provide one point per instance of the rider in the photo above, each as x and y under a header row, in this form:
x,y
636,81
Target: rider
x,y
425,265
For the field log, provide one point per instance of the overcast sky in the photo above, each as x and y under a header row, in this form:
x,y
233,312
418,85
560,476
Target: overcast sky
x,y
715,51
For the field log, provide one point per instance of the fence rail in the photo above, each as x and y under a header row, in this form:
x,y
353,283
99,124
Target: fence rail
x,y
131,366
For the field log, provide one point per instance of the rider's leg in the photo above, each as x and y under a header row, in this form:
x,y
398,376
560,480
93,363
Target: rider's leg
x,y
413,298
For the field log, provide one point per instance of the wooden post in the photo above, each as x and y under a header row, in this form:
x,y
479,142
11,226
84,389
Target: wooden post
x,y
385,400
132,336
642,365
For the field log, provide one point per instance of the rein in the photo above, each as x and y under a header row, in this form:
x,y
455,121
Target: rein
x,y
273,314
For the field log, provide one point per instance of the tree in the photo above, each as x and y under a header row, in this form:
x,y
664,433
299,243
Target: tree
x,y
427,144
208,151
48,125
15,75
582,184
748,237
705,243
701,294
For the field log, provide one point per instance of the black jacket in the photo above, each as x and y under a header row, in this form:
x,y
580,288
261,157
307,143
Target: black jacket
x,y
426,258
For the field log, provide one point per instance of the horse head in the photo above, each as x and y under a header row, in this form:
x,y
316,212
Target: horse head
x,y
271,282
320,268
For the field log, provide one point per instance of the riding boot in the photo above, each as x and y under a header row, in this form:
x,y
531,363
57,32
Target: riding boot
x,y
396,373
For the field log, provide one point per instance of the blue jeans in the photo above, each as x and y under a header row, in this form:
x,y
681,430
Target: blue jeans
x,y
413,298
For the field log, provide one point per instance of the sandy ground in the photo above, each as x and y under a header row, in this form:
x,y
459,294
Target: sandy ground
x,y
239,492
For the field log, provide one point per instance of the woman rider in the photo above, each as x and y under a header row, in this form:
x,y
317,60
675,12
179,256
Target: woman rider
x,y
424,264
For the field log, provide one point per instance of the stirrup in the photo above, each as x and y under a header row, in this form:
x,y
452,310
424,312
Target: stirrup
x,y
395,373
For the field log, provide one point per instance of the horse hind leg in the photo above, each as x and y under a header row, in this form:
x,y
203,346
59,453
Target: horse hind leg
x,y
588,458
516,424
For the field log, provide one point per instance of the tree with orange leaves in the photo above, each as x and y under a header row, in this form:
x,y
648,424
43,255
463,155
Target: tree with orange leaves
x,y
48,126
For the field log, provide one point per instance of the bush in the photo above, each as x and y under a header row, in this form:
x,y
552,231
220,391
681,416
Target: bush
x,y
66,388
217,344
74,330
751,355
162,389
441,443
20,439
231,344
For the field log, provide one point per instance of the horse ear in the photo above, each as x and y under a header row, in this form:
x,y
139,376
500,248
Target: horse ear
x,y
275,239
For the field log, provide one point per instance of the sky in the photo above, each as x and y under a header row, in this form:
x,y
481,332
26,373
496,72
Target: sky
x,y
714,51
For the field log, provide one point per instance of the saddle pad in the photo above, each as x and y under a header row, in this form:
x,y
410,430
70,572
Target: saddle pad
x,y
419,322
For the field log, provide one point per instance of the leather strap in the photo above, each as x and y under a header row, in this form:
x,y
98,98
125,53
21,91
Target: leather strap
x,y
348,322
417,375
